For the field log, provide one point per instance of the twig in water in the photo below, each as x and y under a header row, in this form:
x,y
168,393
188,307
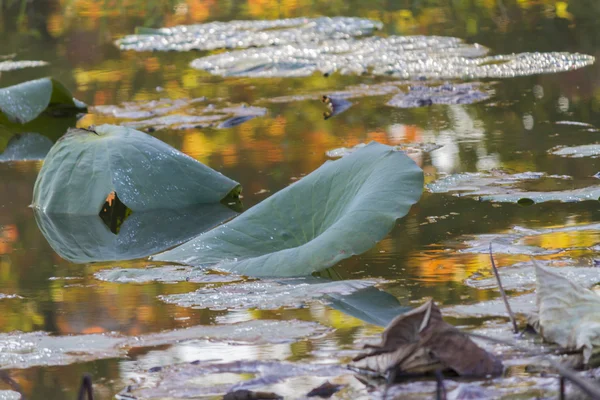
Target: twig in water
x,y
561,394
440,393
86,387
503,294
585,385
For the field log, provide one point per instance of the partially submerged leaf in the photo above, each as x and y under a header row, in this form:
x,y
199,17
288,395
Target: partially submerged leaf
x,y
421,95
24,102
176,114
407,57
419,341
165,274
85,238
409,148
193,380
501,187
25,350
568,314
341,209
265,294
242,34
521,277
85,166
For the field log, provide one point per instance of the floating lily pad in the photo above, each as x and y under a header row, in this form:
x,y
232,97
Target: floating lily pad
x,y
265,295
26,147
341,209
243,34
166,274
523,304
178,114
361,90
194,380
86,166
521,277
588,150
408,148
25,350
13,65
24,102
498,186
421,95
86,238
407,57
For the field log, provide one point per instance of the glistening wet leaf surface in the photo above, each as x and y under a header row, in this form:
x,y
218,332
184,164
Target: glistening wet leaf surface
x,y
528,124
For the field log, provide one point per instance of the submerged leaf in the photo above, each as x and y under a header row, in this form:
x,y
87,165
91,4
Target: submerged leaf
x,y
176,114
25,350
343,208
193,380
421,96
265,295
85,166
407,57
22,103
568,314
419,341
242,34
501,187
85,238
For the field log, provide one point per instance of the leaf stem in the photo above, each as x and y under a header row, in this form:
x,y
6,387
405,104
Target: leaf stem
x,y
503,293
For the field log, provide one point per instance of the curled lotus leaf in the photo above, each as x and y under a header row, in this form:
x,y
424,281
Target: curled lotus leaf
x,y
86,166
343,208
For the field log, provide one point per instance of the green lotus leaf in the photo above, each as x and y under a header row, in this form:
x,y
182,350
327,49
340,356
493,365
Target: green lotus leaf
x,y
85,166
343,208
24,102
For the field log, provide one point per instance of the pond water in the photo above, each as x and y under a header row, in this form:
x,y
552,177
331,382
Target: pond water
x,y
515,126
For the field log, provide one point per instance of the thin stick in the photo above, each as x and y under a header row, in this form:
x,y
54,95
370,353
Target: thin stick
x,y
561,394
86,387
440,392
503,294
585,385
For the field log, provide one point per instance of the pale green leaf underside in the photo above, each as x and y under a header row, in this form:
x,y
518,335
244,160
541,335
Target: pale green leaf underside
x,y
343,208
84,167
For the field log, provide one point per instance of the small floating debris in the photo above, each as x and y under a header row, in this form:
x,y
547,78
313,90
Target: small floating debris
x,y
336,106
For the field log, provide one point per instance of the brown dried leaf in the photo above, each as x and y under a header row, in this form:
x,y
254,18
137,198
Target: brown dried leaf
x,y
420,342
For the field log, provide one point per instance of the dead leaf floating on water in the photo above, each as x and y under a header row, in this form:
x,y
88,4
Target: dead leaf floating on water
x,y
568,314
420,341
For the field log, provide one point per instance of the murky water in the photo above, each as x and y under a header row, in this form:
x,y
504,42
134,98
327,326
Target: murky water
x,y
517,129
